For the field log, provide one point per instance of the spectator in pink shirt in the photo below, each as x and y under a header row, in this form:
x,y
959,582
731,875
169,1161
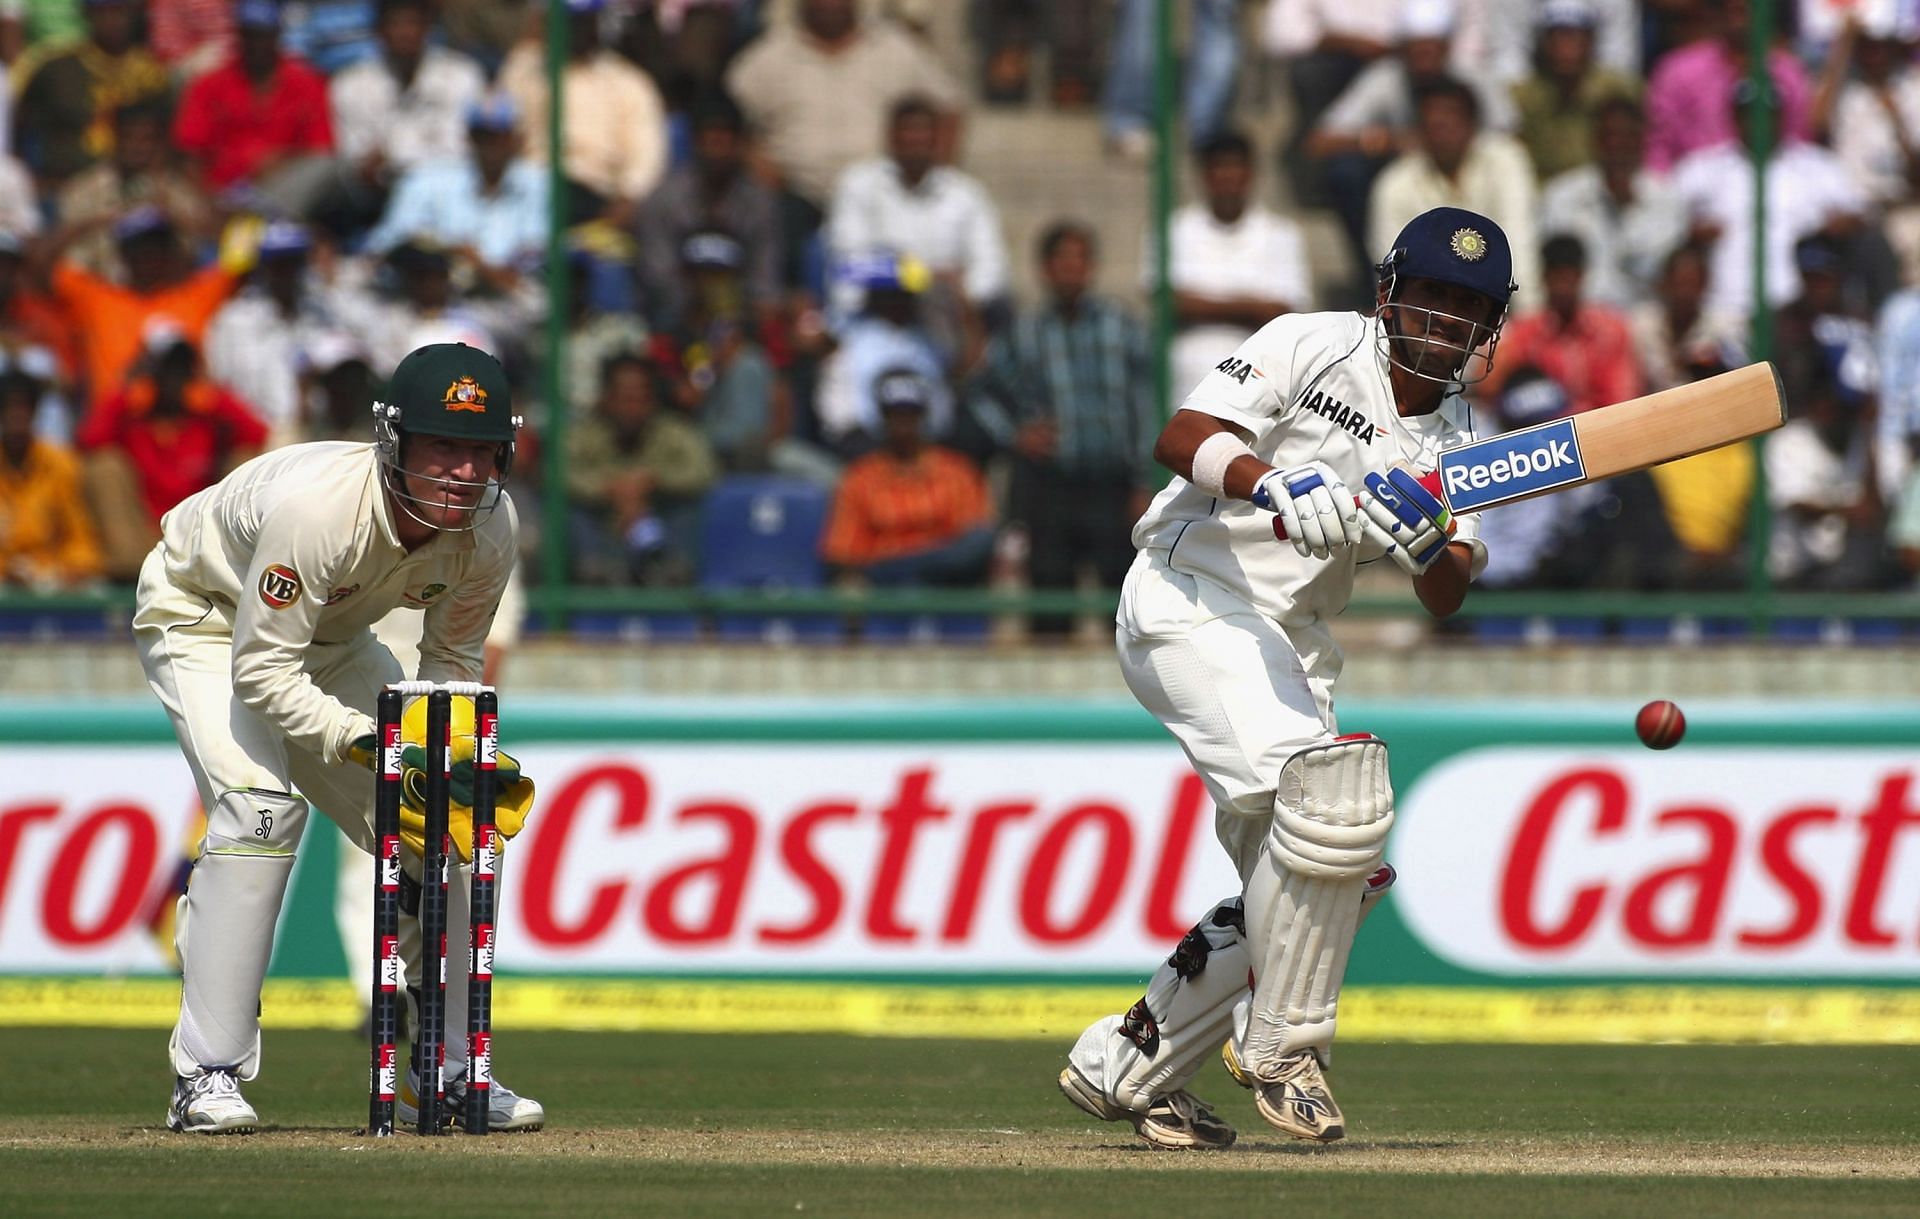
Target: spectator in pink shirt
x,y
1689,87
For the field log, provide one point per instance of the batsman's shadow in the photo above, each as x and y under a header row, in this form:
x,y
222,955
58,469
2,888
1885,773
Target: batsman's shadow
x,y
1302,1147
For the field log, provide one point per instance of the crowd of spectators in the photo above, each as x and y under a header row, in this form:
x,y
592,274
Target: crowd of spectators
x,y
1616,144
222,224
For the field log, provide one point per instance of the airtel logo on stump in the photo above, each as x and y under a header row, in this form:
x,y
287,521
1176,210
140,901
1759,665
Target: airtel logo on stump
x,y
1733,862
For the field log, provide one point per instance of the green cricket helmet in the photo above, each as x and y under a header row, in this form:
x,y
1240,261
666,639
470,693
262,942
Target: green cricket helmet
x,y
446,389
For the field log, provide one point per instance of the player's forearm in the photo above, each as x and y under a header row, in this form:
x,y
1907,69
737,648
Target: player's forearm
x,y
272,682
1183,436
1442,588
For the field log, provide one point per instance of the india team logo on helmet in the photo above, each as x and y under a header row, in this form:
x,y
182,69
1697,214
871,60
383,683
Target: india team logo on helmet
x,y
1468,245
465,394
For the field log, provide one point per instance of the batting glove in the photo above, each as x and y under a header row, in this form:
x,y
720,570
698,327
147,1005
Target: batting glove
x,y
1407,518
1316,510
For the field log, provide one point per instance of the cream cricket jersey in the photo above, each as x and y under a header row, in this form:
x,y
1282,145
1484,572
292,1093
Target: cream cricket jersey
x,y
297,548
1308,387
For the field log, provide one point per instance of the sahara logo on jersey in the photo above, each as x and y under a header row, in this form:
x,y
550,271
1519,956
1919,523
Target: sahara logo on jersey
x,y
1506,467
1340,415
279,586
1238,369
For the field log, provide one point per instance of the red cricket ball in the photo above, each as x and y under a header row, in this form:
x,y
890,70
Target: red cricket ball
x,y
1660,724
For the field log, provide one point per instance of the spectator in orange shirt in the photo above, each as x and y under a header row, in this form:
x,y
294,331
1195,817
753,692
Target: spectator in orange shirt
x,y
110,318
910,512
1587,349
29,318
168,433
46,537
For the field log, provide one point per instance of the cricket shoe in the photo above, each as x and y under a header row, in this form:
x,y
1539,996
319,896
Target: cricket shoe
x,y
1297,1101
1178,1121
507,1110
210,1103
1230,1058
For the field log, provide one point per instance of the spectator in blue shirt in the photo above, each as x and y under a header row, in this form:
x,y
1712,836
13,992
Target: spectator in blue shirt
x,y
330,34
490,208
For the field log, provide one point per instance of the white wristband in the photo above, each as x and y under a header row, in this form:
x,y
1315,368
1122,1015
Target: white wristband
x,y
1211,459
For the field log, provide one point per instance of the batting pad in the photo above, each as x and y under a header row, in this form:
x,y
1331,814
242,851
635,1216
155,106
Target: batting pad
x,y
1160,1043
1332,812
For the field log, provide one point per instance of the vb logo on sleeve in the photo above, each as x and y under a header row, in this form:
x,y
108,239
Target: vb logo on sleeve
x,y
279,586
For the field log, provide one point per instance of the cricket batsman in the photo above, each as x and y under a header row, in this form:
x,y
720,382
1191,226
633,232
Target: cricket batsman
x,y
252,622
1316,431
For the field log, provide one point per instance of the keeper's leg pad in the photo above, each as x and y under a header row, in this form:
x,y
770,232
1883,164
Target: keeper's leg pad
x,y
1162,1041
224,932
1332,812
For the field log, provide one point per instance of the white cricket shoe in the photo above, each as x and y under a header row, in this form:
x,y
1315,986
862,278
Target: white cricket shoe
x,y
210,1103
507,1110
1296,1100
1178,1121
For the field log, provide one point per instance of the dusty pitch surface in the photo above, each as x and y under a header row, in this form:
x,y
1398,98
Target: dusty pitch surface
x,y
1009,1148
718,1125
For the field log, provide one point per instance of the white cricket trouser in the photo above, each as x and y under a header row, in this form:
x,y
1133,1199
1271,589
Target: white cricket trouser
x,y
1239,692
1241,695
400,632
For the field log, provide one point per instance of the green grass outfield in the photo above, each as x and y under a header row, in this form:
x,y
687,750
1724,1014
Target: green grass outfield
x,y
692,1125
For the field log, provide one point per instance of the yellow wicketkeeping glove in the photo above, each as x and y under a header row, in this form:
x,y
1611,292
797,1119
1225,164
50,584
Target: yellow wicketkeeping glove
x,y
513,791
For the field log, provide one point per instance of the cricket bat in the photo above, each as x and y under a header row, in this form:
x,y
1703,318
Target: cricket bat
x,y
1610,440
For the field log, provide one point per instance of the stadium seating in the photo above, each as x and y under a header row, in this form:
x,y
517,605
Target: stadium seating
x,y
763,533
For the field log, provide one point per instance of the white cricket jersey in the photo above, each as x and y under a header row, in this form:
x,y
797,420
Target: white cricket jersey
x,y
296,549
1308,387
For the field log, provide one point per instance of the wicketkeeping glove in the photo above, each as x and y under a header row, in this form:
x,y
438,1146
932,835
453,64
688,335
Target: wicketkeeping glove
x,y
1407,517
513,791
513,800
1316,510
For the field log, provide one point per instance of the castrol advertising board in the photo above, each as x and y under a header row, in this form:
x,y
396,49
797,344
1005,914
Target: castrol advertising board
x,y
1052,844
1731,862
922,858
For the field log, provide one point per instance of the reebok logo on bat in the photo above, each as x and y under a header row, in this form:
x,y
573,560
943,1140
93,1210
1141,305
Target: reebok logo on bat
x,y
1505,469
1502,468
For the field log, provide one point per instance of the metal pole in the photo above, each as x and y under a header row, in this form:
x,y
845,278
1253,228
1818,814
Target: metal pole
x,y
553,518
1762,132
1165,107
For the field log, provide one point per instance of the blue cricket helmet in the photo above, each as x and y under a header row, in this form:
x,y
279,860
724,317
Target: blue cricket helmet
x,y
1454,246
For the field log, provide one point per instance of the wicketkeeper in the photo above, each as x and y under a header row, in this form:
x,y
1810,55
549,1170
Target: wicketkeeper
x,y
252,624
1319,429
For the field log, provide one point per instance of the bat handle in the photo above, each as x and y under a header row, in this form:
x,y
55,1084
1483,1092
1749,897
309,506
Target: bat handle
x,y
1430,480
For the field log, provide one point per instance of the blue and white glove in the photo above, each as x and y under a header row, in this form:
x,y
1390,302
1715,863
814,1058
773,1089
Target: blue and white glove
x,y
1316,510
1407,518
